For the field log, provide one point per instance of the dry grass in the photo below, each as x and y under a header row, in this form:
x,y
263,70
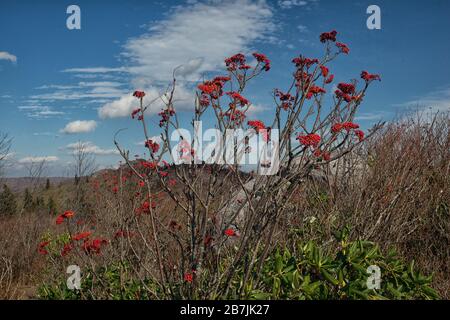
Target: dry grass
x,y
394,189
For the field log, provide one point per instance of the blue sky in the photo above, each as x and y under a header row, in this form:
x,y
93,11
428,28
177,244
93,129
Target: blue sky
x,y
60,86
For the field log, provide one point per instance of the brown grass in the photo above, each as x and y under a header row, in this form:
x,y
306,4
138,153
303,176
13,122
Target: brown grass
x,y
393,189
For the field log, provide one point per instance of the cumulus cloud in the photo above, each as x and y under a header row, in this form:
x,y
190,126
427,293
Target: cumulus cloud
x,y
38,159
198,37
194,39
90,147
80,126
8,56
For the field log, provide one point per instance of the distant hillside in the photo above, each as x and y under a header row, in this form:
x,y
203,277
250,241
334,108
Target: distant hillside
x,y
20,184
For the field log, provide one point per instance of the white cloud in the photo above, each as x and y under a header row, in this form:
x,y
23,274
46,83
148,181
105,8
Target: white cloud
x,y
302,28
38,159
156,139
90,91
184,100
289,4
8,56
80,126
40,112
102,84
90,147
95,70
436,101
256,109
196,39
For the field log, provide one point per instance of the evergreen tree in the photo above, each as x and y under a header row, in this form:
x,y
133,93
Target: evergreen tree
x,y
27,200
8,204
47,184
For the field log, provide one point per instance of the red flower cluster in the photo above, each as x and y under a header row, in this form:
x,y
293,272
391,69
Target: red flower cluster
x,y
139,94
236,116
230,232
123,234
151,145
324,71
256,124
369,77
323,154
328,36
42,246
94,245
311,139
235,62
165,116
207,87
66,215
285,98
238,98
329,79
134,113
261,58
345,91
342,47
145,207
346,88
348,126
204,100
66,249
337,127
301,62
212,89
188,277
81,236
359,134
149,165
314,90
